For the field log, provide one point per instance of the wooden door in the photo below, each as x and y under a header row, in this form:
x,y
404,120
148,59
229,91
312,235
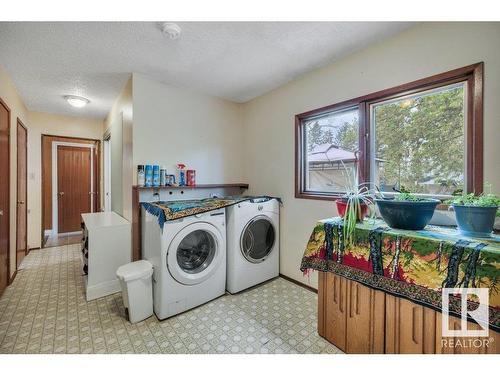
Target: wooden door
x,y
74,186
22,179
365,319
4,195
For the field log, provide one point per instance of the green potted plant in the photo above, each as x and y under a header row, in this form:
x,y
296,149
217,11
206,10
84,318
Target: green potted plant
x,y
475,214
354,205
406,210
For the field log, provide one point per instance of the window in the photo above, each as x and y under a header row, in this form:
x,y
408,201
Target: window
x,y
419,141
331,147
425,136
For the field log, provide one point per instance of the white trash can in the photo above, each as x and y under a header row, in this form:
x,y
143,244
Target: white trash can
x,y
137,289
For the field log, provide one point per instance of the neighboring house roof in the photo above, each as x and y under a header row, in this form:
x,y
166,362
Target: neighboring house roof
x,y
327,153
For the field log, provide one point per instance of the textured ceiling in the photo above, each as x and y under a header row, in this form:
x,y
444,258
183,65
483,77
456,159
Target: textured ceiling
x,y
236,61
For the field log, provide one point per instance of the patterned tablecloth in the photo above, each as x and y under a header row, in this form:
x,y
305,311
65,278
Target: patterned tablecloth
x,y
173,210
411,264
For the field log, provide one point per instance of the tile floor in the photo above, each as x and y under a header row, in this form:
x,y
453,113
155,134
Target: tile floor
x,y
62,239
45,311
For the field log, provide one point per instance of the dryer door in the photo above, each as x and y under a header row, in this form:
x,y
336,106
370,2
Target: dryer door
x,y
257,239
195,253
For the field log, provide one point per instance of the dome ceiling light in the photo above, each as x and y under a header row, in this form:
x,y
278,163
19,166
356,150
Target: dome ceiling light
x,y
76,101
171,30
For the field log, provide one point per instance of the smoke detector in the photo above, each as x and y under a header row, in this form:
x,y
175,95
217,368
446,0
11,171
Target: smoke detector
x,y
171,30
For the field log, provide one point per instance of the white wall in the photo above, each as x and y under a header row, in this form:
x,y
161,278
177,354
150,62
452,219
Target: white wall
x,y
173,125
119,123
37,124
419,52
10,96
50,124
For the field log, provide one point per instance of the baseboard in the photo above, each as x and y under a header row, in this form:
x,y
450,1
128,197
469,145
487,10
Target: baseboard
x,y
102,289
33,248
310,288
13,277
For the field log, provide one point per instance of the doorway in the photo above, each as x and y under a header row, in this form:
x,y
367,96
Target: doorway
x,y
70,187
107,172
22,195
73,192
4,195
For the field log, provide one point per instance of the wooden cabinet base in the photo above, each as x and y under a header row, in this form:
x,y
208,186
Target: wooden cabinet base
x,y
359,319
352,316
409,328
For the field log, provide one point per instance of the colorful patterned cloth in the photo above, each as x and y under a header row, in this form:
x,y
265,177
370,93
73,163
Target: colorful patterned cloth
x,y
173,210
411,264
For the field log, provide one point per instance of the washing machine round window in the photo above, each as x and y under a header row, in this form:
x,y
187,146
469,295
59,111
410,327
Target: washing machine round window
x,y
257,239
196,251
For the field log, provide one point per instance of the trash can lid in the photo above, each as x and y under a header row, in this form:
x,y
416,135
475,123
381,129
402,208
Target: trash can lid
x,y
135,270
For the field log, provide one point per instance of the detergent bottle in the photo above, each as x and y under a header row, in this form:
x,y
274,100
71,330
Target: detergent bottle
x,y
181,174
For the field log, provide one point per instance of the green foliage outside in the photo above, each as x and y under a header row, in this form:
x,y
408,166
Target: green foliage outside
x,y
422,139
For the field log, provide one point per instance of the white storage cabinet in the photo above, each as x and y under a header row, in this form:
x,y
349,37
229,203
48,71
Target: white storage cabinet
x,y
106,245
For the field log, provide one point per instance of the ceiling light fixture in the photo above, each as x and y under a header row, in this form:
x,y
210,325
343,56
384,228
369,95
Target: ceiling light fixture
x,y
76,101
171,30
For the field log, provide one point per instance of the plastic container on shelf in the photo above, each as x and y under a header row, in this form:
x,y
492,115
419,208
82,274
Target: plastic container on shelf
x,y
181,174
156,175
141,175
148,175
191,177
163,176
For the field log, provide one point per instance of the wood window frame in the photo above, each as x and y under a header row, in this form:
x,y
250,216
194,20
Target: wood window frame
x,y
472,74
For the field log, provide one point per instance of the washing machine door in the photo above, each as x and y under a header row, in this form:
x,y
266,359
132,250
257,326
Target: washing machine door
x,y
195,253
257,239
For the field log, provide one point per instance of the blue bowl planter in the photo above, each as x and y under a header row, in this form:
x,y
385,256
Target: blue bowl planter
x,y
474,221
411,215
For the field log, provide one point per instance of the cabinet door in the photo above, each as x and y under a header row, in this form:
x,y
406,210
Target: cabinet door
x,y
409,328
335,312
365,319
465,345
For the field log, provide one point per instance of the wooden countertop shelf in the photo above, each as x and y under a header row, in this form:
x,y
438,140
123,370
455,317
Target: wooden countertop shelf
x,y
199,186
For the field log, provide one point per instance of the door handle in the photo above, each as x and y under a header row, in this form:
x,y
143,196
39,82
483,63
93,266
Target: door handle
x,y
61,193
20,202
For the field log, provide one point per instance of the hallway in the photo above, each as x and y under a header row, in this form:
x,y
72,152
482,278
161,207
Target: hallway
x,y
45,311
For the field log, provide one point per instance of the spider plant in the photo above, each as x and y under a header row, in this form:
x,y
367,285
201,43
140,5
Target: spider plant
x,y
355,197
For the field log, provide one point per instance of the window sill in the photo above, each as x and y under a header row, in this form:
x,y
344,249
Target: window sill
x,y
324,197
335,196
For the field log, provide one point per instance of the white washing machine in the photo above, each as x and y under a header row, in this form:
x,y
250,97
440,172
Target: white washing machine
x,y
189,260
252,243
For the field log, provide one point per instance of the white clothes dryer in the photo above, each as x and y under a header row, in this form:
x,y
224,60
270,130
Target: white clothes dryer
x,y
252,243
